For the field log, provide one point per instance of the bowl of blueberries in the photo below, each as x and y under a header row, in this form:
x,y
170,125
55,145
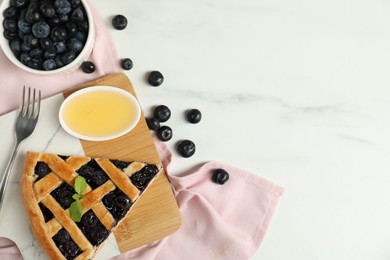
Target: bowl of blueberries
x,y
46,36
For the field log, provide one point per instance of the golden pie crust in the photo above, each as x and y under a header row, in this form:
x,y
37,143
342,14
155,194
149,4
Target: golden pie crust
x,y
36,191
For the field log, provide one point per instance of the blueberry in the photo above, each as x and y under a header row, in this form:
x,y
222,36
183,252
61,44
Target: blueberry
x,y
72,29
77,15
60,47
62,6
75,3
64,18
46,43
194,116
164,133
58,61
69,250
162,113
10,24
34,63
153,123
83,26
122,202
97,235
54,21
98,178
24,26
155,78
75,45
62,236
88,67
119,22
186,148
68,57
127,64
19,3
49,64
33,16
24,47
30,41
10,35
15,46
25,57
41,30
36,53
89,219
81,36
59,34
41,169
220,176
10,12
47,10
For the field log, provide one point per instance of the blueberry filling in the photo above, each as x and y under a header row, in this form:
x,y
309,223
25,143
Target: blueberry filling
x,y
117,203
93,174
41,169
141,178
63,194
120,164
92,228
46,212
66,245
63,157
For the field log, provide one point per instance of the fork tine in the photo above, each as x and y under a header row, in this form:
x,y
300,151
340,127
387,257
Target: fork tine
x,y
21,108
38,104
28,103
31,114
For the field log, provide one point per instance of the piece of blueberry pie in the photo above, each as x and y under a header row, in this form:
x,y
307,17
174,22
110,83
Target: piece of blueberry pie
x,y
75,202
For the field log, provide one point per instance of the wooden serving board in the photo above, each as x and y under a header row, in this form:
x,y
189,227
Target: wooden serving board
x,y
155,215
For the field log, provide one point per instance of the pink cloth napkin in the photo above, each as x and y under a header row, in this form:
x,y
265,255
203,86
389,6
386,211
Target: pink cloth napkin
x,y
219,221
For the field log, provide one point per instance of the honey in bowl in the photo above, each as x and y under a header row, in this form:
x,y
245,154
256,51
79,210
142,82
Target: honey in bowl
x,y
99,113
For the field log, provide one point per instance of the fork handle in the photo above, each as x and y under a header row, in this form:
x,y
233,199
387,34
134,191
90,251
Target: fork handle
x,y
7,173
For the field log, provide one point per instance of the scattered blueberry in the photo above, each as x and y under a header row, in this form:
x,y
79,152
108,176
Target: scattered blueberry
x,y
119,22
153,123
194,116
162,113
88,67
41,30
164,133
155,78
127,64
220,176
186,148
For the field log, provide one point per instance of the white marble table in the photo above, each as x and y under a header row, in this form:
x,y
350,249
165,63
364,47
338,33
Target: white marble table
x,y
295,91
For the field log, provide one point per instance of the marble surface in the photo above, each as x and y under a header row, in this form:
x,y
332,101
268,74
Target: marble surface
x,y
295,91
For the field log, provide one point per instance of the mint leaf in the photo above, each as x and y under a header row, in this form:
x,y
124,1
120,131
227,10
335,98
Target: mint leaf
x,y
77,196
80,184
75,210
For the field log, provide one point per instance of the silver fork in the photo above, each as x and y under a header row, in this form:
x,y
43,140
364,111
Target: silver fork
x,y
26,121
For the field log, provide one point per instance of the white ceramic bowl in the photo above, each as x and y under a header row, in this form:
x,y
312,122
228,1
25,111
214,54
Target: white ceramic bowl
x,y
83,55
129,125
